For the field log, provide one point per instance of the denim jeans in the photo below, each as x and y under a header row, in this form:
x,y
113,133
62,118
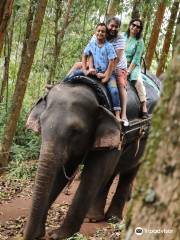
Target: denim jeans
x,y
114,92
77,72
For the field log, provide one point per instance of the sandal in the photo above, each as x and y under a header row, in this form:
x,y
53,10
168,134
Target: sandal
x,y
125,122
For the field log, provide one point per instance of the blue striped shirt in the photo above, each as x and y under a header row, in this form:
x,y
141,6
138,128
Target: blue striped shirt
x,y
119,43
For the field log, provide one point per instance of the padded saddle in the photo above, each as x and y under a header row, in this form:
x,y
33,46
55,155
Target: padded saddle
x,y
99,90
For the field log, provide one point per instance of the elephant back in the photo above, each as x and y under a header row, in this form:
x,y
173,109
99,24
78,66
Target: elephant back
x,y
151,82
153,89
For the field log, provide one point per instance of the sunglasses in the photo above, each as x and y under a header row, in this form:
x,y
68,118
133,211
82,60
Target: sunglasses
x,y
137,26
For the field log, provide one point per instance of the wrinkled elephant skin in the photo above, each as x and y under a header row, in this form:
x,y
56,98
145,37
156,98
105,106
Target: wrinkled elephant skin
x,y
76,129
73,128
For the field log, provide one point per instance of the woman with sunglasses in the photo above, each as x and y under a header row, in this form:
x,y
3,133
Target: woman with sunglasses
x,y
134,50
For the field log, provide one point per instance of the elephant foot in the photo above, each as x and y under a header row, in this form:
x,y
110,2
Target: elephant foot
x,y
38,234
58,234
93,219
94,216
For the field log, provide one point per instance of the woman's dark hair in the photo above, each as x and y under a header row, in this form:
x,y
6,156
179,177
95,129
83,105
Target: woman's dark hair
x,y
115,19
139,34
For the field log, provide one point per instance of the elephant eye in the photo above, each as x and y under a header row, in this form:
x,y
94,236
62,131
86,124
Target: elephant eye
x,y
75,129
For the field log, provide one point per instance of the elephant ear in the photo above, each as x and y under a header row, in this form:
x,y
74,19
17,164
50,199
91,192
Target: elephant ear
x,y
33,121
108,130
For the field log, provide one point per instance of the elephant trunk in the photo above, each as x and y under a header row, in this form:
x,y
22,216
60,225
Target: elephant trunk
x,y
43,184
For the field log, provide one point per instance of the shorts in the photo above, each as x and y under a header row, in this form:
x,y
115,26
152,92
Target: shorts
x,y
121,77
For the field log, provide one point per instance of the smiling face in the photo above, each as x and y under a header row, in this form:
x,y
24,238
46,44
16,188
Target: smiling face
x,y
135,28
112,29
101,33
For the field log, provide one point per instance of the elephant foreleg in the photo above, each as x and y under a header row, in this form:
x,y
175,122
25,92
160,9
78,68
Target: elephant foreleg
x,y
96,172
96,211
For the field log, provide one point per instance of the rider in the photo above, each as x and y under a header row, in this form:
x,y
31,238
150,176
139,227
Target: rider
x,y
102,57
134,50
118,42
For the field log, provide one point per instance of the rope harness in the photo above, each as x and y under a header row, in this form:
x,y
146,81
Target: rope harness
x,y
142,128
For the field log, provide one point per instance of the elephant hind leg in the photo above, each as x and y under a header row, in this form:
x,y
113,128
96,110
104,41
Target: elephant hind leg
x,y
122,194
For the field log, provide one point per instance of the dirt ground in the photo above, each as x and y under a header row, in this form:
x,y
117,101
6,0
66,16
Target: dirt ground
x,y
15,202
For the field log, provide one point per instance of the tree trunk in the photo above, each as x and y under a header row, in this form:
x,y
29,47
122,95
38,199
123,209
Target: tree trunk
x,y
59,35
5,14
17,46
135,11
155,33
7,48
168,37
22,79
156,203
113,8
174,38
146,17
146,28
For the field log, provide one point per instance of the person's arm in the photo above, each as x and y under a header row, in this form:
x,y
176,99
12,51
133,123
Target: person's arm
x,y
130,68
111,65
85,55
137,56
109,71
119,48
84,63
91,69
119,53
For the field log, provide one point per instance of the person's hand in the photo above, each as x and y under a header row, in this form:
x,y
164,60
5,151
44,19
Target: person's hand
x,y
128,72
100,75
91,71
85,72
104,80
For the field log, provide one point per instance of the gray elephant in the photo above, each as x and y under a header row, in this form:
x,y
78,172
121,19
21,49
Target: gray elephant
x,y
75,128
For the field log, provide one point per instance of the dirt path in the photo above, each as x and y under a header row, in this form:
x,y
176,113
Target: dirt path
x,y
13,213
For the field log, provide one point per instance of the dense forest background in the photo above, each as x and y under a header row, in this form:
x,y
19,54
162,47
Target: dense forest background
x,y
67,26
40,40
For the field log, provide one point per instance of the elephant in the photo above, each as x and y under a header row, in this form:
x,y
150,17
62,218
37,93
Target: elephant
x,y
76,128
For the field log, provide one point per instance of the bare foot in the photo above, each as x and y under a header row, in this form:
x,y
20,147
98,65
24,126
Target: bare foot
x,y
144,106
117,115
118,119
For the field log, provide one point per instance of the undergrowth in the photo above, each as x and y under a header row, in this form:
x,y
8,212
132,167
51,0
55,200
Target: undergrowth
x,y
24,170
77,236
25,147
